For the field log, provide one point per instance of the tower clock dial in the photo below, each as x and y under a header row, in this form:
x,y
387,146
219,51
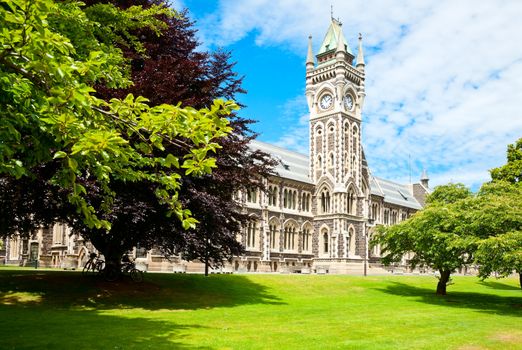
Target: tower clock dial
x,y
326,101
348,102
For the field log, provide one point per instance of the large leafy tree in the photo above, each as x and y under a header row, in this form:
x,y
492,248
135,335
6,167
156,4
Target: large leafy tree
x,y
433,237
57,133
169,69
500,250
172,70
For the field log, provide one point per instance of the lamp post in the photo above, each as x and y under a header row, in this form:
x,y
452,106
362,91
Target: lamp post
x,y
366,247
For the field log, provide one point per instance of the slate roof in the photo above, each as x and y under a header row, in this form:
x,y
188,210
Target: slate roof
x,y
295,166
394,193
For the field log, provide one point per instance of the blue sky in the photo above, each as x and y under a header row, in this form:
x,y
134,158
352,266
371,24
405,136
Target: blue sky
x,y
444,78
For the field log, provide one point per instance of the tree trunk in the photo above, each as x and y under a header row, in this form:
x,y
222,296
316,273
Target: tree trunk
x,y
443,281
112,261
206,262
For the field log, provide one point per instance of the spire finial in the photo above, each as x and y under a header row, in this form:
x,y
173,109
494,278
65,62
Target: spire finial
x,y
310,55
360,55
331,11
424,178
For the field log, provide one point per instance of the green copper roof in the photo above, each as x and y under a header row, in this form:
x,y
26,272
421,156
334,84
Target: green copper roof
x,y
330,39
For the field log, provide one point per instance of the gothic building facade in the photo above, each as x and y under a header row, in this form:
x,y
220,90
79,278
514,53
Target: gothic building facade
x,y
320,210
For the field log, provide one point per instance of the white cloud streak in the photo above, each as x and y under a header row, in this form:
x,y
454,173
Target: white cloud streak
x,y
444,78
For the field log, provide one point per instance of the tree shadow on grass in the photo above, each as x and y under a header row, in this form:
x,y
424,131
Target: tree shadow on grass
x,y
64,310
37,327
157,292
483,302
499,285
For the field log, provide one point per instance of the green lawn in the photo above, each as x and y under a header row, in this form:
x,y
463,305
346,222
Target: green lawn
x,y
65,310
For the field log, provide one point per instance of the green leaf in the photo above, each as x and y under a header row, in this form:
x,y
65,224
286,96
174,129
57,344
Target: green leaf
x,y
59,154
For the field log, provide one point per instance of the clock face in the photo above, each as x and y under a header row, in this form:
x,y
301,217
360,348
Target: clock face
x,y
348,102
326,101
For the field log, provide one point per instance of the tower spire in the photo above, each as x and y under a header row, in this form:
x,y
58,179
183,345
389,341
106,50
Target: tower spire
x,y
424,178
310,55
340,41
360,56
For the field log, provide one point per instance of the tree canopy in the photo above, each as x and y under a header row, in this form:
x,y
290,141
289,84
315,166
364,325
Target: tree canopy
x,y
512,170
124,209
50,113
500,250
433,237
173,70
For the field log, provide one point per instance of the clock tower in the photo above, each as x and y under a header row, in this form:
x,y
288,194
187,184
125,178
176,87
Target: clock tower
x,y
335,95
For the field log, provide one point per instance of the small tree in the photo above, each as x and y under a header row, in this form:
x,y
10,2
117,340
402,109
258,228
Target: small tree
x,y
433,236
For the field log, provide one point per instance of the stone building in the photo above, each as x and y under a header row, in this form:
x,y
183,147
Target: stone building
x,y
321,208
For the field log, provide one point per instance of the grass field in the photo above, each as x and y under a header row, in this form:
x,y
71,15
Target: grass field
x,y
65,310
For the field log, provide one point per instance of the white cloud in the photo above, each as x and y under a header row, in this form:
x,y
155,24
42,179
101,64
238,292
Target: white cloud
x,y
294,134
178,5
443,77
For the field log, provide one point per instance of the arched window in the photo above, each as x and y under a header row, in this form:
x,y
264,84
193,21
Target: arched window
x,y
374,211
307,238
352,202
331,160
325,242
272,196
252,195
14,248
319,162
305,202
351,242
274,236
290,199
59,234
347,145
289,237
325,201
251,234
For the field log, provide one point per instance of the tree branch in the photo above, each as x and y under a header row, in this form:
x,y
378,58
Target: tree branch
x,y
133,125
